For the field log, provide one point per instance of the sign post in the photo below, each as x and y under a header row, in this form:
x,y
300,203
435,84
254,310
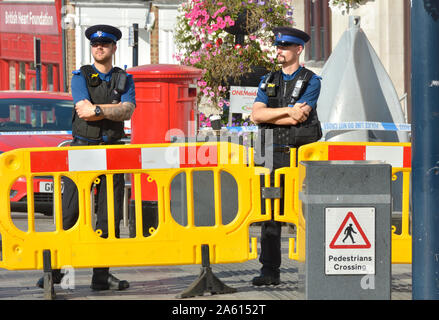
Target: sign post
x,y
425,150
133,41
37,61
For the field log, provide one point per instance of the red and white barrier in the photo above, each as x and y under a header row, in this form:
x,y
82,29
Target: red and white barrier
x,y
397,156
124,158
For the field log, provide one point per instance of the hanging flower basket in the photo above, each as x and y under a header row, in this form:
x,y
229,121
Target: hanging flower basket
x,y
241,26
205,38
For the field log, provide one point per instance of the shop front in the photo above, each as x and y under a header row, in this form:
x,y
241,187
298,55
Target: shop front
x,y
20,23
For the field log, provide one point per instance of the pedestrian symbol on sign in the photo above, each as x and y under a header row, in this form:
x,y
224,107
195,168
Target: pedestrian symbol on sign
x,y
348,230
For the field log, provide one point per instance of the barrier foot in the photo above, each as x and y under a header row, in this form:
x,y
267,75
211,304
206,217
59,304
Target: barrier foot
x,y
49,291
206,281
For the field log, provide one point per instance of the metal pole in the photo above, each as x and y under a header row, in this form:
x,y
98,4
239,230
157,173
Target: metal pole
x,y
136,45
37,61
425,149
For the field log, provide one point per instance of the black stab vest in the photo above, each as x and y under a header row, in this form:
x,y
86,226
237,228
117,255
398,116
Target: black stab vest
x,y
291,135
101,92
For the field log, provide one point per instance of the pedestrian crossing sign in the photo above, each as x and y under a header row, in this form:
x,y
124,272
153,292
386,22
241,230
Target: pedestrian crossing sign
x,y
344,238
350,240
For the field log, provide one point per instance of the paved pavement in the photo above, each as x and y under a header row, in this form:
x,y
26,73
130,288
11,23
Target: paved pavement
x,y
167,282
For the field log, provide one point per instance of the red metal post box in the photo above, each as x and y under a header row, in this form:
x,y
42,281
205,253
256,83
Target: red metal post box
x,y
166,96
166,99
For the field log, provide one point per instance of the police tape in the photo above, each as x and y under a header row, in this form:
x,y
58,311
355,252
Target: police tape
x,y
25,133
43,132
243,129
326,126
344,126
365,125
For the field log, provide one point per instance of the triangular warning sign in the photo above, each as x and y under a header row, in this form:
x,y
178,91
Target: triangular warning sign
x,y
346,231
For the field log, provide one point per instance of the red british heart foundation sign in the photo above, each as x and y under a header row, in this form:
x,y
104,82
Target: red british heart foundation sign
x,y
28,18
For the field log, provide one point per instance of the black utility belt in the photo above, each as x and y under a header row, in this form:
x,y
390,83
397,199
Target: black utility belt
x,y
282,149
93,142
294,136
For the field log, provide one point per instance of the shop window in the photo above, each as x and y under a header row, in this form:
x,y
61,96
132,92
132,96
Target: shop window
x,y
12,76
22,76
31,80
317,25
49,77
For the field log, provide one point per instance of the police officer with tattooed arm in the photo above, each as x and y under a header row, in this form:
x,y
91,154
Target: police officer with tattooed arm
x,y
104,98
285,112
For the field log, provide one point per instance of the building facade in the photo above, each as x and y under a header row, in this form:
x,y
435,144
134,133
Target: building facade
x,y
121,14
60,24
386,24
155,21
20,23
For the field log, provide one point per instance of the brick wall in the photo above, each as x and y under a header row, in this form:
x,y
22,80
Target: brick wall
x,y
70,55
70,47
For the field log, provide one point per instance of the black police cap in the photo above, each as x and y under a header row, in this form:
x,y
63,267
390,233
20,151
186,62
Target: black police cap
x,y
286,36
103,33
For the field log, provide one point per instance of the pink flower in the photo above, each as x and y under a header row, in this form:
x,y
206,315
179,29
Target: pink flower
x,y
229,21
217,12
221,23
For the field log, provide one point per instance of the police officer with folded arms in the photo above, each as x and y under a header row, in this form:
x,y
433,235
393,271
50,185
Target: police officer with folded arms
x,y
104,97
285,112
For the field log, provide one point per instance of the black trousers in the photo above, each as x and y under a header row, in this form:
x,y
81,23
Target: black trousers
x,y
270,256
70,206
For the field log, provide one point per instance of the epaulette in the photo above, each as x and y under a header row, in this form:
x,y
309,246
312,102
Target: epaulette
x,y
76,72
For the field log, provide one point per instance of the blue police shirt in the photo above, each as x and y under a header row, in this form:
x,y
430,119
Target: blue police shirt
x,y
80,91
310,96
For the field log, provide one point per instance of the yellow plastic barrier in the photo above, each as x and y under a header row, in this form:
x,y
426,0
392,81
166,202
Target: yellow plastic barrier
x,y
171,243
396,154
292,212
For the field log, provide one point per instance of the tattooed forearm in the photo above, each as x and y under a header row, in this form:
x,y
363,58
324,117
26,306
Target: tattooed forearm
x,y
118,112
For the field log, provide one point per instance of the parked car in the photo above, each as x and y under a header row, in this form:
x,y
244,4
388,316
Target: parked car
x,y
34,119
